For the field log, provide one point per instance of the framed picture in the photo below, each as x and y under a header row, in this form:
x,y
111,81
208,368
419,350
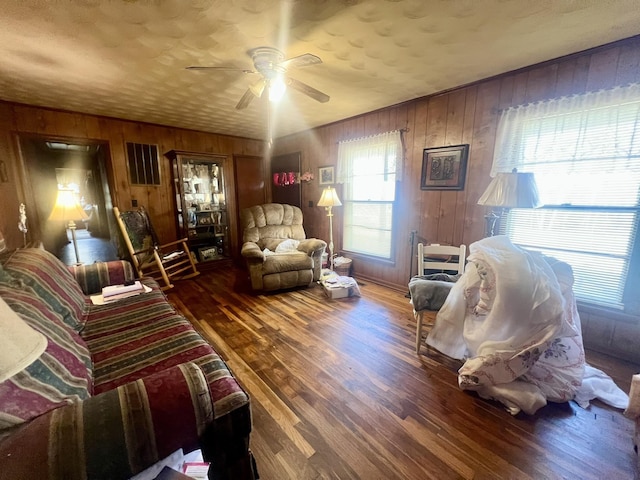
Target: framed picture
x,y
326,175
208,253
444,168
204,218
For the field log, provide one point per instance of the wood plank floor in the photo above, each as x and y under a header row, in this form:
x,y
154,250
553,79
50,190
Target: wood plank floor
x,y
338,392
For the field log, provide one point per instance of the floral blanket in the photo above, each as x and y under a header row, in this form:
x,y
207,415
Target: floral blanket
x,y
513,317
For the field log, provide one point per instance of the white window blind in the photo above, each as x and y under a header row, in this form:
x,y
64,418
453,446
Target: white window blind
x,y
585,153
368,168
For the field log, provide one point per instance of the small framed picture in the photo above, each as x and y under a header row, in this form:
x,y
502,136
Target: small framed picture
x,y
326,175
444,168
208,253
204,218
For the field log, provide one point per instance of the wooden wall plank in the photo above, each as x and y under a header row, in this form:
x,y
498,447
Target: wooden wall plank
x,y
602,65
564,79
628,63
485,122
541,83
464,201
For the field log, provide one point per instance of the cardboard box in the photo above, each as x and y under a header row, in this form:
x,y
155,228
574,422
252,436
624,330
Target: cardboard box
x,y
342,287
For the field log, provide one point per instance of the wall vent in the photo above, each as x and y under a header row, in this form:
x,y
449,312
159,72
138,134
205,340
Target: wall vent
x,y
144,168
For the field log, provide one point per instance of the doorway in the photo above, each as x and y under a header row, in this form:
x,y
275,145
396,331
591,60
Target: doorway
x,y
79,166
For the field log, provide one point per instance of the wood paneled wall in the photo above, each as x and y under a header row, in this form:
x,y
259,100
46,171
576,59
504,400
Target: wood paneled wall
x,y
21,120
464,115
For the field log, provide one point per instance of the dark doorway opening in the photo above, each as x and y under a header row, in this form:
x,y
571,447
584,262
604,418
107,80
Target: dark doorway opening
x,y
79,165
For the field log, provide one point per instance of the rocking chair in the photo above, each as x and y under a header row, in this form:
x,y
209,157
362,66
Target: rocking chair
x,y
164,263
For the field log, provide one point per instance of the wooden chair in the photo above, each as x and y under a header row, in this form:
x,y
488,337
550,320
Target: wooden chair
x,y
437,259
163,263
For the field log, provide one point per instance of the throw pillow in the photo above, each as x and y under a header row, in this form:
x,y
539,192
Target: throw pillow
x,y
51,281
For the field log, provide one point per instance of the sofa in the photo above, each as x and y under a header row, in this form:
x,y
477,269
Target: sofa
x,y
276,250
119,387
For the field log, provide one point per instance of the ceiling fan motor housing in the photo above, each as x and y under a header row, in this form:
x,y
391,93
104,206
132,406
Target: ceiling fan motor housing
x,y
267,61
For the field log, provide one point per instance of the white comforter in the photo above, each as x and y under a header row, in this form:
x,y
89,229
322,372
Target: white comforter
x,y
513,316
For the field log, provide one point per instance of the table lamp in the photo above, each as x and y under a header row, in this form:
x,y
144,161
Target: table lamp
x,y
328,200
20,345
67,209
508,190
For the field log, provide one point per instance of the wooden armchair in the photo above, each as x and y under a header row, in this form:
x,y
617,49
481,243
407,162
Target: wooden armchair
x,y
164,263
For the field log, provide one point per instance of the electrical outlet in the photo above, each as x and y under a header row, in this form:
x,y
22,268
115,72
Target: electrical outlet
x,y
311,203
134,203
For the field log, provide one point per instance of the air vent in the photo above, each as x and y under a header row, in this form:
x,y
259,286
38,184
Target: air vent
x,y
143,164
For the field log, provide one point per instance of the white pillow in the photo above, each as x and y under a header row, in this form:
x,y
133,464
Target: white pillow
x,y
288,246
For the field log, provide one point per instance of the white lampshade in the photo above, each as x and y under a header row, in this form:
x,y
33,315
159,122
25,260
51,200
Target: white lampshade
x,y
20,345
511,190
67,208
329,198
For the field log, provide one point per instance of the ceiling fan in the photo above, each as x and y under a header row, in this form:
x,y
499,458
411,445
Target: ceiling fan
x,y
270,63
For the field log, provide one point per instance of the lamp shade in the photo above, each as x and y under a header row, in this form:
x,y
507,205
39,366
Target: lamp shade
x,y
67,208
20,345
511,190
329,198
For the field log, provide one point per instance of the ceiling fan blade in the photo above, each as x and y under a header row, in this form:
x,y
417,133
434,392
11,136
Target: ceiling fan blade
x,y
258,87
307,90
245,100
303,60
229,69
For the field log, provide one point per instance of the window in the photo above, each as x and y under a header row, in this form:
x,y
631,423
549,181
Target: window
x,y
369,168
143,164
585,154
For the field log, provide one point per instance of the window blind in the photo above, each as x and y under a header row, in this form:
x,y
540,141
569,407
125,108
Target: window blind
x,y
585,154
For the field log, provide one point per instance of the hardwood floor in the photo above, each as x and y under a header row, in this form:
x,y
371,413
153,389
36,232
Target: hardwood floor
x,y
338,393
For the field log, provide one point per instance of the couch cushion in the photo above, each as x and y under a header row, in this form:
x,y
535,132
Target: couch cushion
x,y
61,375
51,281
286,262
142,335
93,277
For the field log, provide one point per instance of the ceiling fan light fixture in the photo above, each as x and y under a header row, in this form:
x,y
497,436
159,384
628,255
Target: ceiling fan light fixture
x,y
277,87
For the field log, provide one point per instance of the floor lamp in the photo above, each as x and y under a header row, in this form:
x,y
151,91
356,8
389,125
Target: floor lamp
x,y
328,200
67,209
508,190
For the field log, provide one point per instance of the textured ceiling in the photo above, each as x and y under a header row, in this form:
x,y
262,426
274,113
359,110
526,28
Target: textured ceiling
x,y
127,59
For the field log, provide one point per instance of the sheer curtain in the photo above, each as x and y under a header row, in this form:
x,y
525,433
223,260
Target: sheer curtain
x,y
387,146
585,153
369,168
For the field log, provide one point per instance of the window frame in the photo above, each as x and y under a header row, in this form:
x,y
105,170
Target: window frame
x,y
387,147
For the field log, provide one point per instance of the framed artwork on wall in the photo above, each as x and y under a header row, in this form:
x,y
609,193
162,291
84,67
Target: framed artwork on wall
x,y
326,175
444,168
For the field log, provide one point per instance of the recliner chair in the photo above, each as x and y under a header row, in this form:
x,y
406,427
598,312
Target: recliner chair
x,y
273,262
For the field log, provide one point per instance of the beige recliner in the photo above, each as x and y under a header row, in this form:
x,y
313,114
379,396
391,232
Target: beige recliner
x,y
276,250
